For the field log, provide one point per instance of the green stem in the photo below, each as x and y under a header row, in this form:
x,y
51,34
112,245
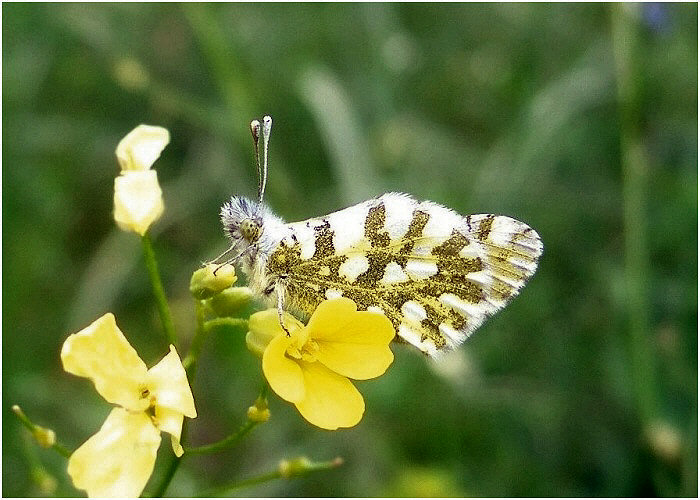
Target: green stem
x,y
200,334
168,477
302,468
225,443
275,474
234,438
635,172
158,290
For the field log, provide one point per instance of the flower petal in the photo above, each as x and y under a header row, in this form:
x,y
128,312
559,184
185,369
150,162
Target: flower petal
x,y
331,400
141,147
138,200
264,325
330,317
101,353
282,373
170,421
119,459
352,343
167,383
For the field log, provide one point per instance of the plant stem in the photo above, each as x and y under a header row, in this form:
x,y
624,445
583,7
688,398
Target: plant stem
x,y
168,477
635,169
158,290
234,438
275,474
172,467
190,361
225,443
279,473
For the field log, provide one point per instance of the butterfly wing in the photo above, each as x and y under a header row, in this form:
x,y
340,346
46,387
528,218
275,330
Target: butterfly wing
x,y
437,275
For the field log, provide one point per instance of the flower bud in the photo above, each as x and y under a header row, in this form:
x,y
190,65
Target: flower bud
x,y
294,467
205,284
45,437
259,412
257,343
231,301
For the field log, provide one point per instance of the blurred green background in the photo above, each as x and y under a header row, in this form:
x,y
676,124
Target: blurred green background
x,y
580,120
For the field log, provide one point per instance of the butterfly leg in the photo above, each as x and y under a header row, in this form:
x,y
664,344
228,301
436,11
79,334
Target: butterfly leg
x,y
280,307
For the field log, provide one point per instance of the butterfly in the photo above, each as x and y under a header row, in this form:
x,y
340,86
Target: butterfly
x,y
437,275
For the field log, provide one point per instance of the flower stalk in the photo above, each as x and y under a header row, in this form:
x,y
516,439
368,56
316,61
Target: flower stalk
x,y
233,439
287,469
158,290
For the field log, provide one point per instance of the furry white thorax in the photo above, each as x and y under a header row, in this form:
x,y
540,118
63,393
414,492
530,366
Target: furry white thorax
x,y
253,256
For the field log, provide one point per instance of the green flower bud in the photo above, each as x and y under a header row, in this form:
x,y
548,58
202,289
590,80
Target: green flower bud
x,y
259,412
231,301
205,284
45,437
294,467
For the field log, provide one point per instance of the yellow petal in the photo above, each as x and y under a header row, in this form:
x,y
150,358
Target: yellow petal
x,y
283,374
352,343
101,353
263,326
141,147
167,383
138,200
170,421
330,317
331,400
119,459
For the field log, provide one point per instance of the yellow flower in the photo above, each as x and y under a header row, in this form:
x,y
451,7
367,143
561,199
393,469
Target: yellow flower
x,y
119,459
138,199
312,365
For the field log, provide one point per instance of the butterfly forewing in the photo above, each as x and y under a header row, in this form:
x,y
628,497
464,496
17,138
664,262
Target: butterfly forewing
x,y
437,275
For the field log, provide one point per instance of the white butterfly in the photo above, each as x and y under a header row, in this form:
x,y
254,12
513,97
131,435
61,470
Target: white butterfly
x,y
435,274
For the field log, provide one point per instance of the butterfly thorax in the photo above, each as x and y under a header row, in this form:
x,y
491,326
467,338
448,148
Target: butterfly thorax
x,y
254,232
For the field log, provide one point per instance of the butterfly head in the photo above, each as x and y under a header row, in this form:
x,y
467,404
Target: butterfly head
x,y
242,220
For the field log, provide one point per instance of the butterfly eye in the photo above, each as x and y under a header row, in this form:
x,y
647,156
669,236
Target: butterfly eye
x,y
250,230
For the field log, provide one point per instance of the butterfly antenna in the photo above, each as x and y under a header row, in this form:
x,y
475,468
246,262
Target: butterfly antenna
x,y
266,128
255,132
